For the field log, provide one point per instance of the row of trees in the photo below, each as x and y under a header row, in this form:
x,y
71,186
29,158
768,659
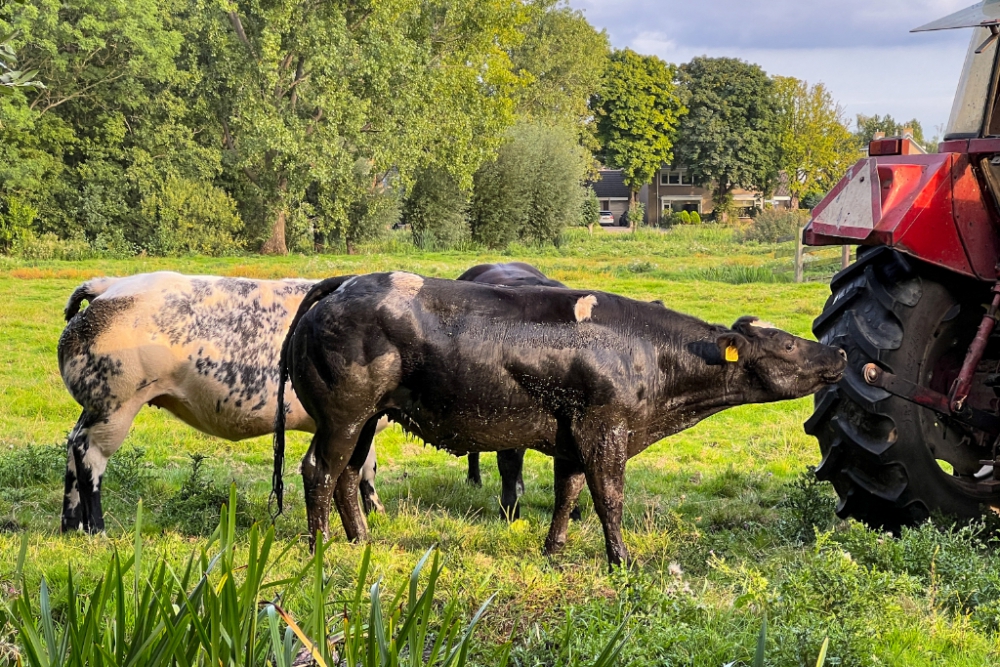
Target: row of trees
x,y
192,126
185,125
730,124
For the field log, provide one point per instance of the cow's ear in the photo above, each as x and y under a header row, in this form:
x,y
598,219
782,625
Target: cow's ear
x,y
750,326
732,347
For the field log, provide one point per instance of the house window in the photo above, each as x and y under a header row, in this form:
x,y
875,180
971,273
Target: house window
x,y
676,206
675,177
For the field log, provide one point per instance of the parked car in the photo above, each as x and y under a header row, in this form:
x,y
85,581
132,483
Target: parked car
x,y
607,218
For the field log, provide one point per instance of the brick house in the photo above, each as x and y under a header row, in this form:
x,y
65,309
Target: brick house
x,y
673,190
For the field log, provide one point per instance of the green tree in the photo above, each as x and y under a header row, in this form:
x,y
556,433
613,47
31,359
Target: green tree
x,y
10,77
867,126
590,210
816,148
337,96
638,110
532,190
435,210
564,58
730,136
97,150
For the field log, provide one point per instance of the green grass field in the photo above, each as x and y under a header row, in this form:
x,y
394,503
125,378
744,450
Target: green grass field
x,y
719,518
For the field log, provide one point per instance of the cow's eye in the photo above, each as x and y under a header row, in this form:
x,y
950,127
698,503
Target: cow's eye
x,y
790,345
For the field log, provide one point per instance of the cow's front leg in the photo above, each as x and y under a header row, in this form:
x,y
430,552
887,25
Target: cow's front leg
x,y
346,492
569,479
510,463
605,453
474,477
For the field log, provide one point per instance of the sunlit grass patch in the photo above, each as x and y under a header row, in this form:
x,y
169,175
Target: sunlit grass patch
x,y
721,519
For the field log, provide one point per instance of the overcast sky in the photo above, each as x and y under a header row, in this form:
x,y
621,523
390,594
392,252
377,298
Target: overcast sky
x,y
861,49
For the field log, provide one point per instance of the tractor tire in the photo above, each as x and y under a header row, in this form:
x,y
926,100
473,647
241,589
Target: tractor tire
x,y
883,454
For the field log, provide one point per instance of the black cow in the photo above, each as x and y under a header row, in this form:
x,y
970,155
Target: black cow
x,y
589,378
510,462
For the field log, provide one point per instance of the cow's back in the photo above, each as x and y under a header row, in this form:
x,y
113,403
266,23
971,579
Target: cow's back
x,y
203,347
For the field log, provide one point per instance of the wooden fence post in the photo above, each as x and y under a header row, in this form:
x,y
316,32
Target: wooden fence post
x,y
798,256
845,256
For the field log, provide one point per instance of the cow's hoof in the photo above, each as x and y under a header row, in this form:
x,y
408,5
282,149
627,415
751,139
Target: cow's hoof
x,y
510,513
575,514
553,547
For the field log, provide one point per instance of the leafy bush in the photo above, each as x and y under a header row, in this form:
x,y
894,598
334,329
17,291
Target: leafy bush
x,y
636,214
590,209
49,246
531,191
809,506
775,226
811,200
695,218
194,508
435,210
372,216
680,218
189,216
22,467
15,220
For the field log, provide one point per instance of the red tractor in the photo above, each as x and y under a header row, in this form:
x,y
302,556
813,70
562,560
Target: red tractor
x,y
913,428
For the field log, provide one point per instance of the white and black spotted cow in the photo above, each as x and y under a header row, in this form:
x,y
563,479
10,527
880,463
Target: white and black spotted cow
x,y
204,348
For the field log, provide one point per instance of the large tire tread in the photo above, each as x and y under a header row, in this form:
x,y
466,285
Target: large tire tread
x,y
883,472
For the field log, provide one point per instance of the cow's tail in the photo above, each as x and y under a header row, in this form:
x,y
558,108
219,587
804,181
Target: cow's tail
x,y
88,291
318,291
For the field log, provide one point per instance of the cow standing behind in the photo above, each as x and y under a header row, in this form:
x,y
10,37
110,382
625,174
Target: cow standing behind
x,y
589,378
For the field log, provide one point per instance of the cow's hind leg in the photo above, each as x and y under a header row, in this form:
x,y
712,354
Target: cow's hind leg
x,y
369,496
72,512
345,494
318,481
366,487
510,462
569,480
605,451
91,443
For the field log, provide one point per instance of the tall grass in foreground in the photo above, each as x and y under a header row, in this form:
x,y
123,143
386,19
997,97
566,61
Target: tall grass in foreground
x,y
222,612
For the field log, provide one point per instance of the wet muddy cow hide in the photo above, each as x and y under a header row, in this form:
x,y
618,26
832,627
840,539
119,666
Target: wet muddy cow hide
x,y
510,462
589,378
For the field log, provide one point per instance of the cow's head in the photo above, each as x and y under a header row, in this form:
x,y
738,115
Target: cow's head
x,y
777,365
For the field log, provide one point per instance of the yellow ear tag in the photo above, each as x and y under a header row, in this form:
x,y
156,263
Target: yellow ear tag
x,y
732,354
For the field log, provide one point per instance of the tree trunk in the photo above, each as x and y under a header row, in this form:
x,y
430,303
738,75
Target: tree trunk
x,y
633,200
722,205
590,228
275,244
795,202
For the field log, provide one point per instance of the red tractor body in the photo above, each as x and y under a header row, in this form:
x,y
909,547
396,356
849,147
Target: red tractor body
x,y
914,426
931,207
